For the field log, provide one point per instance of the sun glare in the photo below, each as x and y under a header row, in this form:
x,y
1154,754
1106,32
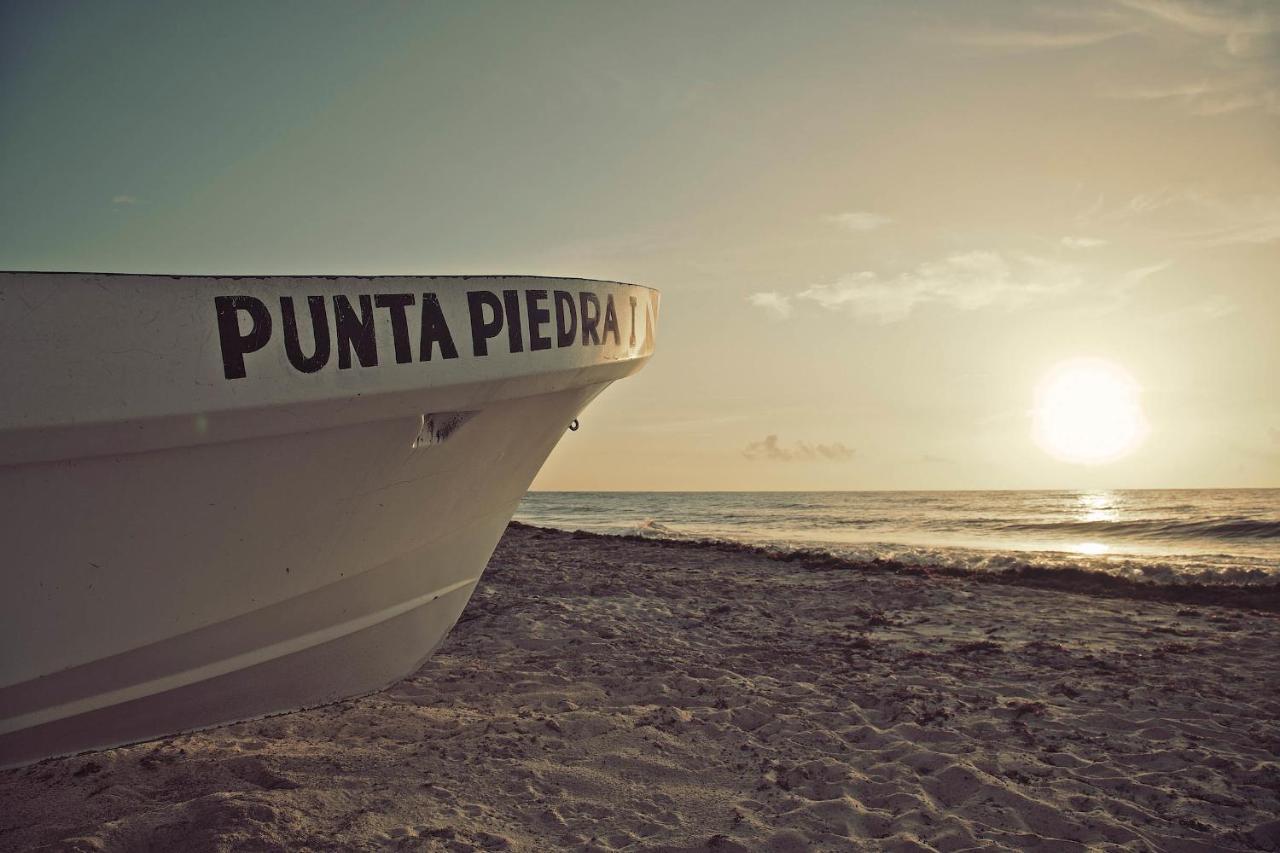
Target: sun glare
x,y
1088,411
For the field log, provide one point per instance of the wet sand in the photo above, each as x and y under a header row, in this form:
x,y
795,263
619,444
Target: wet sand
x,y
618,694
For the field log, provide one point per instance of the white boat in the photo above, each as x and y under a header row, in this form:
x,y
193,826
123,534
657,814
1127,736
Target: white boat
x,y
224,497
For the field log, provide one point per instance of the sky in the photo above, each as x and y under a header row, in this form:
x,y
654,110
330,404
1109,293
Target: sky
x,y
877,226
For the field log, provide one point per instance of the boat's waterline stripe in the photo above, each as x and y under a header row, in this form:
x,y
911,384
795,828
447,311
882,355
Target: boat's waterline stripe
x,y
224,666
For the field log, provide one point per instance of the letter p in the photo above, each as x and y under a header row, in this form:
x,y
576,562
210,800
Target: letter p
x,y
234,344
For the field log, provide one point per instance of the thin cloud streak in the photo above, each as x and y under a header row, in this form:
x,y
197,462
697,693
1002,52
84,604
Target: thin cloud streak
x,y
966,281
860,220
1122,290
1221,96
1082,242
1238,49
772,301
1009,39
771,449
1239,30
1188,218
972,281
1230,55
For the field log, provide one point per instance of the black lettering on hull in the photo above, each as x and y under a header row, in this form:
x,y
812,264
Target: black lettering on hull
x,y
319,334
538,317
590,318
434,330
235,345
396,304
552,319
611,320
566,319
481,329
515,342
355,332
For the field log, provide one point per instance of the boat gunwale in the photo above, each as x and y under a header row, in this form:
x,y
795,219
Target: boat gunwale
x,y
273,277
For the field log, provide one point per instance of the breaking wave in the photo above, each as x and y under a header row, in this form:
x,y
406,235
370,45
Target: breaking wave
x,y
1224,537
1229,528
1254,590
1180,571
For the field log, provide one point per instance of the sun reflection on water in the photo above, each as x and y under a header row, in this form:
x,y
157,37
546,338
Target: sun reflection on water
x,y
1098,506
1093,549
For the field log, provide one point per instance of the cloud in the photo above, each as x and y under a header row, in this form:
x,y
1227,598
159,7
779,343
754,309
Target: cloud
x,y
1134,278
966,281
1207,97
1082,242
125,199
971,281
1230,54
1219,57
1011,39
1214,307
860,220
1210,222
772,450
1243,30
1211,97
1189,218
772,301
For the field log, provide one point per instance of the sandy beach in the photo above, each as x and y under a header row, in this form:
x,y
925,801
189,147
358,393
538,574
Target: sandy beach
x,y
619,694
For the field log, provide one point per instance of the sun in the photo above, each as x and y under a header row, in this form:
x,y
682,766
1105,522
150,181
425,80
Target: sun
x,y
1088,411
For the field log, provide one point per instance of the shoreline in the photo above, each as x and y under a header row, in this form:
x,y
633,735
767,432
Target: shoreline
x,y
1264,598
622,693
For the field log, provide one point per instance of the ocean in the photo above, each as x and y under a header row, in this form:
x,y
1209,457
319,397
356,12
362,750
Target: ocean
x,y
1211,536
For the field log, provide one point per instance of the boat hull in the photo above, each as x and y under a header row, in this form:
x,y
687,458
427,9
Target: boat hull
x,y
305,549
